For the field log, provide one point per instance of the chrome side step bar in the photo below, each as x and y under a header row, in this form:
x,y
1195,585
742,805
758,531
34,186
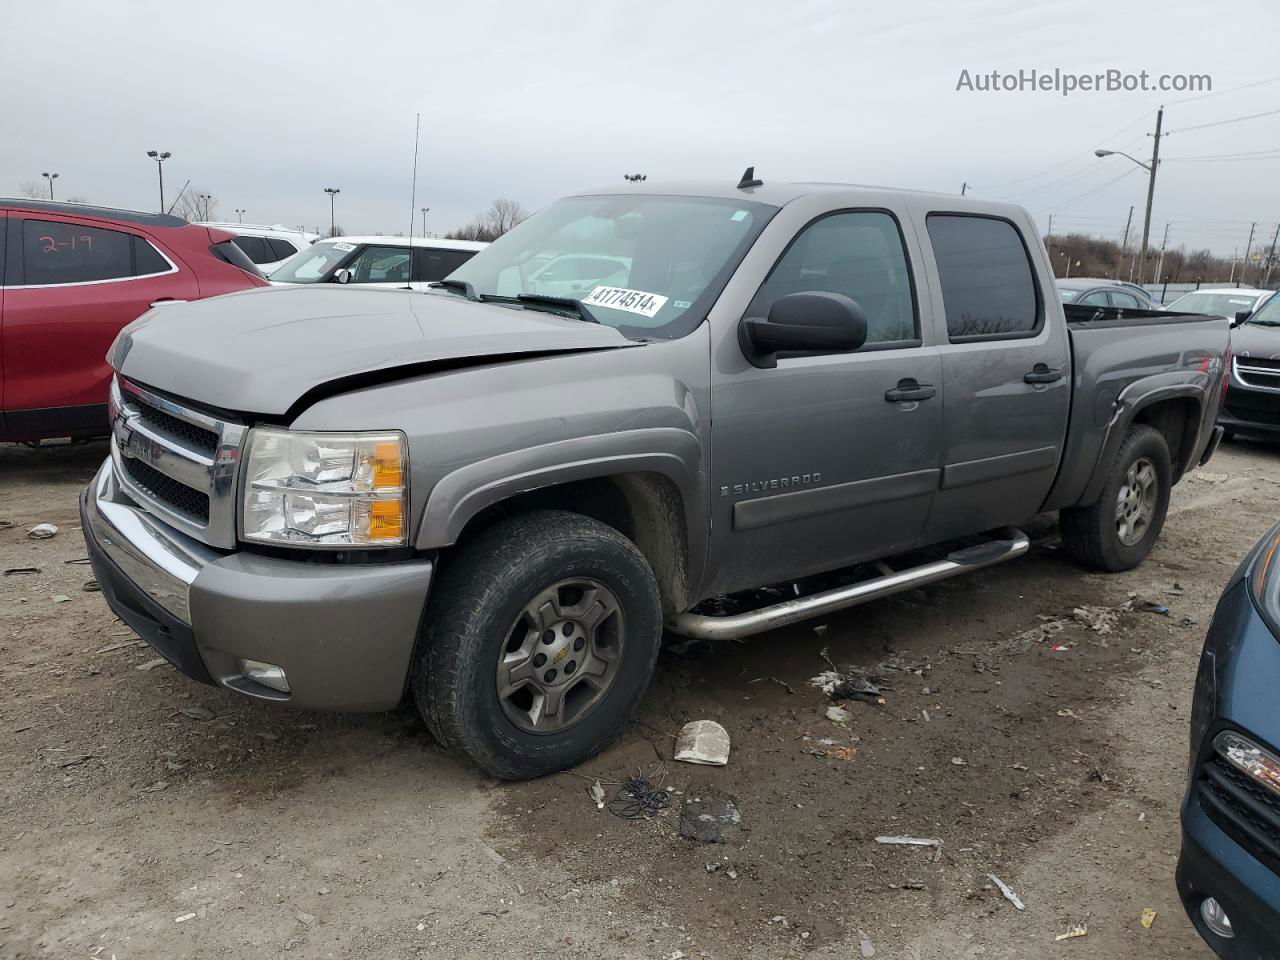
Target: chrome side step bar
x,y
1010,543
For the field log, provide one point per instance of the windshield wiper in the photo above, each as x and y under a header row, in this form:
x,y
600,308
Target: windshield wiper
x,y
463,287
562,302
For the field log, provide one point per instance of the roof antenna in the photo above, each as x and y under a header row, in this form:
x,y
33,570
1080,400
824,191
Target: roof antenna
x,y
749,179
413,200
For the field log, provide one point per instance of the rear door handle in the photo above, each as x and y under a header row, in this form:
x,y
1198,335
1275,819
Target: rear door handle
x,y
909,390
1041,373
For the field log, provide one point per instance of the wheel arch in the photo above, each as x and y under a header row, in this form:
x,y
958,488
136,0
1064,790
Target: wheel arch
x,y
647,484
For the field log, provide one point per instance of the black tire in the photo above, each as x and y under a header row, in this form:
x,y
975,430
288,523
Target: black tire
x,y
472,616
1090,534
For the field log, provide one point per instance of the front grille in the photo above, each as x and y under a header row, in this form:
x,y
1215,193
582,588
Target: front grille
x,y
167,491
177,461
1256,372
1267,362
206,441
1243,808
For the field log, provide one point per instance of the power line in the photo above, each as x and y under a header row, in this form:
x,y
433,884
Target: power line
x,y
1269,156
1220,123
1085,196
1218,93
1074,157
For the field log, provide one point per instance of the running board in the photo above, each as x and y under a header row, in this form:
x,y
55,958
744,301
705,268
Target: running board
x,y
1010,543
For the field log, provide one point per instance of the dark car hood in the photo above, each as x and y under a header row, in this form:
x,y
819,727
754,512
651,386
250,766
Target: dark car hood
x,y
260,351
1255,340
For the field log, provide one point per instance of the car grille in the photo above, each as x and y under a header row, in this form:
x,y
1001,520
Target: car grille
x,y
166,490
1243,808
177,461
1252,413
1258,372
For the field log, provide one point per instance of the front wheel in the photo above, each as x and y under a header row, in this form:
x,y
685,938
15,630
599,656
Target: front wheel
x,y
539,641
1121,528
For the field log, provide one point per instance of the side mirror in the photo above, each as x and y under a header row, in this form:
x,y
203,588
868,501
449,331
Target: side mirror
x,y
1241,317
342,276
815,322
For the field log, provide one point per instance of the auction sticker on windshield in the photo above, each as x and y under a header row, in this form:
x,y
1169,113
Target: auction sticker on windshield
x,y
620,298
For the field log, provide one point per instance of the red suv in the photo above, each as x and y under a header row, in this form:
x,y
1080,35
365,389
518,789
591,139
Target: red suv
x,y
70,277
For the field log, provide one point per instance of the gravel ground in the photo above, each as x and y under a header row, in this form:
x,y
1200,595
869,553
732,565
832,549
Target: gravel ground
x,y
143,815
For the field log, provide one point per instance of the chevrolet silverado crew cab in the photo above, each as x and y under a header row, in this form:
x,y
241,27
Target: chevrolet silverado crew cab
x,y
494,496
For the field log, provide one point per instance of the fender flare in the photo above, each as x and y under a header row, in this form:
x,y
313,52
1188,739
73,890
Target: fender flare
x,y
671,452
1134,399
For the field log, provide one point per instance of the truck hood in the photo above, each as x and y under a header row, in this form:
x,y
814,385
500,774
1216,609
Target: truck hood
x,y
1255,340
261,351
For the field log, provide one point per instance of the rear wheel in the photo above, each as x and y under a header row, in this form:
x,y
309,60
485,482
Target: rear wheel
x,y
1121,528
539,641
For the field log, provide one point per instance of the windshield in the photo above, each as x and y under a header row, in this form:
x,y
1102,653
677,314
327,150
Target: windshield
x,y
1214,304
649,266
314,263
1268,314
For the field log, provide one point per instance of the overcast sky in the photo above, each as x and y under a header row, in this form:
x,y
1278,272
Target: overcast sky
x,y
265,104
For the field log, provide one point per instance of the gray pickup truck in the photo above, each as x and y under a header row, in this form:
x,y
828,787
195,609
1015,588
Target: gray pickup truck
x,y
494,494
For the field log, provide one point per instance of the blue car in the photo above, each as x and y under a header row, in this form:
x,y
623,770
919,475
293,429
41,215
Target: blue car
x,y
1229,868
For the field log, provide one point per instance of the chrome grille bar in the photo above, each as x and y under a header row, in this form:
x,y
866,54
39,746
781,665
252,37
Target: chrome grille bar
x,y
194,450
1253,375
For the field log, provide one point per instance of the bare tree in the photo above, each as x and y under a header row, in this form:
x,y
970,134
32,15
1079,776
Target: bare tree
x,y
195,204
493,223
33,190
337,231
78,198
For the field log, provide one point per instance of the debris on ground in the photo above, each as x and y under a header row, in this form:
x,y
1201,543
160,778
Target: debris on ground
x,y
915,842
1148,918
983,664
712,818
703,741
838,715
866,946
119,646
1074,931
42,531
306,919
639,798
92,586
597,794
959,762
1008,893
834,752
13,571
852,682
156,787
197,713
60,598
151,664
1148,606
184,918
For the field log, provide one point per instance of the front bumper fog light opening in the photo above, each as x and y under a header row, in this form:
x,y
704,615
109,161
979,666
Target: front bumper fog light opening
x,y
1216,919
267,674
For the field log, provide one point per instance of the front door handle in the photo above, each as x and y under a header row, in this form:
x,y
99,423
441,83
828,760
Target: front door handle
x,y
908,390
1041,373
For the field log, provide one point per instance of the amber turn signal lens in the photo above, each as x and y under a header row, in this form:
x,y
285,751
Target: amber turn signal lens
x,y
386,520
388,468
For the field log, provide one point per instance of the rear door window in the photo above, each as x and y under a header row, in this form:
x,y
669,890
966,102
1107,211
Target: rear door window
x,y
1094,298
988,287
56,252
280,249
147,259
256,249
431,265
1126,301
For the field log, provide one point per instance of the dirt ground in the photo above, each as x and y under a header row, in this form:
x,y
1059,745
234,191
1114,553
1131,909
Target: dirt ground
x,y
144,815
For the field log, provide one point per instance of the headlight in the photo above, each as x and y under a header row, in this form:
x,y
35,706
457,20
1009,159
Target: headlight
x,y
326,489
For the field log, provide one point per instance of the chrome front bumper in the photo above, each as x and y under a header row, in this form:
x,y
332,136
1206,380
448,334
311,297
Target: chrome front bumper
x,y
343,634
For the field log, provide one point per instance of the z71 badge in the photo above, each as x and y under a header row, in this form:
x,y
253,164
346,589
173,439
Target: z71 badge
x,y
762,486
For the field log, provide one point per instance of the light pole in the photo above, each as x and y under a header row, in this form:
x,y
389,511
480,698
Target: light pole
x,y
240,214
425,211
1151,169
204,199
50,177
160,158
332,192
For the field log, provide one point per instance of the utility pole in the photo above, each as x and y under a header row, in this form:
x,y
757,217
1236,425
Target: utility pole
x,y
332,192
1124,244
964,187
1160,262
1244,264
1151,189
1049,232
1271,257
